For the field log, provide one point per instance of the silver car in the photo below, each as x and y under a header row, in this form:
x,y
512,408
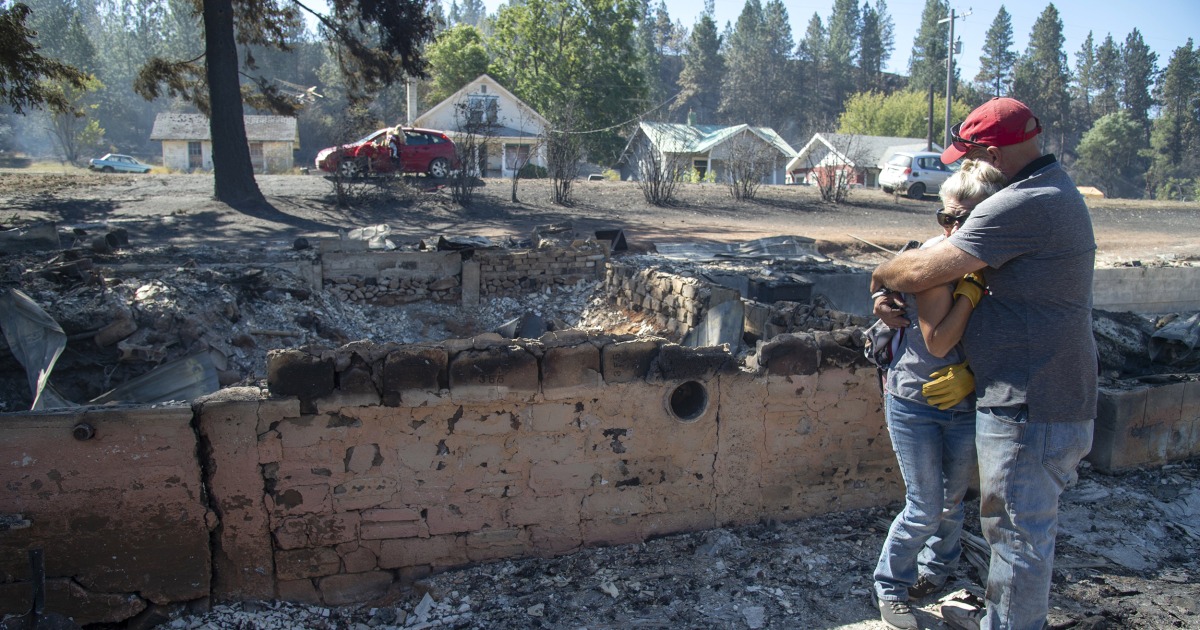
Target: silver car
x,y
915,174
115,162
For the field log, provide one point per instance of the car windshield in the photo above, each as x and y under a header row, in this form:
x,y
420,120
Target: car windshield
x,y
367,138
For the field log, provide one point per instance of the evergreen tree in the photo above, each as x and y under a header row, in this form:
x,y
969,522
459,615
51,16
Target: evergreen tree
x,y
813,71
1175,139
469,12
23,67
1107,78
1083,88
1141,70
781,70
655,37
927,65
997,61
756,50
872,54
845,28
1041,77
703,72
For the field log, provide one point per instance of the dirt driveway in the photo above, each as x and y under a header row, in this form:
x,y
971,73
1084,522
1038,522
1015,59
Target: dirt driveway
x,y
179,210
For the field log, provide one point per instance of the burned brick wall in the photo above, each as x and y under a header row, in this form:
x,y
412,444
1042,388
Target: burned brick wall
x,y
355,274
505,272
676,304
372,464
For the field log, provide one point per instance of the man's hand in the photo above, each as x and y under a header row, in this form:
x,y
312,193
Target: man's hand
x,y
950,385
890,308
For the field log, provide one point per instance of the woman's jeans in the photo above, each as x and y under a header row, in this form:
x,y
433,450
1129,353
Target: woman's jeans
x,y
1023,468
936,452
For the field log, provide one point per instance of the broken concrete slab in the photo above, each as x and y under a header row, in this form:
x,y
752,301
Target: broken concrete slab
x,y
493,374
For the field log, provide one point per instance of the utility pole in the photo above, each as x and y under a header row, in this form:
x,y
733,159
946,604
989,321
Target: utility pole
x,y
950,68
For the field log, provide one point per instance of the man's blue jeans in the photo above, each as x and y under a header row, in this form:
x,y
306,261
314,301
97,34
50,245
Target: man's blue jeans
x,y
1023,468
936,452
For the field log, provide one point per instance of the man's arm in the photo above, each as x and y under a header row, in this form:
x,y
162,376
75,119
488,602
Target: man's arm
x,y
917,270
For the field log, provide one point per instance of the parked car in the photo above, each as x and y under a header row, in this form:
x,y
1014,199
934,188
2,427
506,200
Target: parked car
x,y
117,163
915,174
423,151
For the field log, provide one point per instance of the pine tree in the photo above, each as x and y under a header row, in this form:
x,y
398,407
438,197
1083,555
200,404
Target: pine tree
x,y
750,93
927,65
1083,87
813,73
875,46
842,50
703,72
1107,78
997,61
1175,140
1041,77
1141,70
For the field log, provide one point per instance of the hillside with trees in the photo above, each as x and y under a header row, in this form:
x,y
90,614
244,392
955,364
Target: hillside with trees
x,y
89,77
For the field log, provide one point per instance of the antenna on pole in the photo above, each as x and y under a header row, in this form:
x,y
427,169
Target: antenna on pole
x,y
950,66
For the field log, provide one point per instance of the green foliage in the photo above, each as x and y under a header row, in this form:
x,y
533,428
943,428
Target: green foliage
x,y
1175,139
900,114
758,79
1041,77
927,65
456,58
533,171
1108,156
74,128
703,72
694,177
1107,77
997,61
1140,72
25,73
561,55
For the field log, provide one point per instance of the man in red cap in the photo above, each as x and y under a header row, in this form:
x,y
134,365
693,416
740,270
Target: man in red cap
x,y
1030,347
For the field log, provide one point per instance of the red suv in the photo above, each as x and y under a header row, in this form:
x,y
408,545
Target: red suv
x,y
422,151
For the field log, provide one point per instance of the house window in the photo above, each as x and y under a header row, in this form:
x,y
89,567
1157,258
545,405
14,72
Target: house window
x,y
482,107
195,156
516,156
701,167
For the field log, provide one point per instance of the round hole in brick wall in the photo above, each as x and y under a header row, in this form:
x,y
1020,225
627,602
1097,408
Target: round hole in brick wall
x,y
688,401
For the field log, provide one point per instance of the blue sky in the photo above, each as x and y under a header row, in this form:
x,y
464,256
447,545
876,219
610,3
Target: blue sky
x,y
1165,24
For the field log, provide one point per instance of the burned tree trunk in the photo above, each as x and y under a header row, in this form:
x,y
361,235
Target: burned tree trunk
x,y
233,173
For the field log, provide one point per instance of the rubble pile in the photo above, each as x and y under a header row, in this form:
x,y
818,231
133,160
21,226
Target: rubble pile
x,y
390,291
123,320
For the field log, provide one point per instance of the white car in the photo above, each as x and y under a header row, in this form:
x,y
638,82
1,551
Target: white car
x,y
915,174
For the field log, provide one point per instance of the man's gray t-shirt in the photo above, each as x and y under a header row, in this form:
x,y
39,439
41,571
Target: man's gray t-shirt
x,y
1030,340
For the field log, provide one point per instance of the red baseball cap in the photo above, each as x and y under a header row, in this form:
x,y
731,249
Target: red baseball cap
x,y
999,122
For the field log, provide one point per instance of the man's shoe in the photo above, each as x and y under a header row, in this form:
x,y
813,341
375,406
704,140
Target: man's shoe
x,y
896,615
962,616
923,588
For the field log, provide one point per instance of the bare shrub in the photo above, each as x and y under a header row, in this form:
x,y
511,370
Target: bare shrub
x,y
477,126
834,171
750,160
564,150
658,174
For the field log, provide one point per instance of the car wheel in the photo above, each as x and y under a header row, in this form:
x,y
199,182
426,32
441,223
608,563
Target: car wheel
x,y
439,168
916,191
888,189
351,169
107,169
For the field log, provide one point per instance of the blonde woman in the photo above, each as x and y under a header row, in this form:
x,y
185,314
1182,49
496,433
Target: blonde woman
x,y
932,422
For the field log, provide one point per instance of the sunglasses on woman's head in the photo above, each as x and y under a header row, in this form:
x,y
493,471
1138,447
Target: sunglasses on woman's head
x,y
947,219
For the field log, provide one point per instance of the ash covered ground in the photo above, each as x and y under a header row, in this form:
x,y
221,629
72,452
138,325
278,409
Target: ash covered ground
x,y
199,275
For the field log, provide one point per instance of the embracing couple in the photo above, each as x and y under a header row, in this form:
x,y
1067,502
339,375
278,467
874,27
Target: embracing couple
x,y
995,371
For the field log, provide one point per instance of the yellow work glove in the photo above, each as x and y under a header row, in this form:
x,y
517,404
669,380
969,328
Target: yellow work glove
x,y
950,385
971,287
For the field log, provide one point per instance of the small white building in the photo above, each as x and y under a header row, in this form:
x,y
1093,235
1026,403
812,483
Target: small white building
x,y
708,149
858,158
187,143
515,128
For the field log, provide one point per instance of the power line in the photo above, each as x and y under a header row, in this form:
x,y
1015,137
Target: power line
x,y
621,124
